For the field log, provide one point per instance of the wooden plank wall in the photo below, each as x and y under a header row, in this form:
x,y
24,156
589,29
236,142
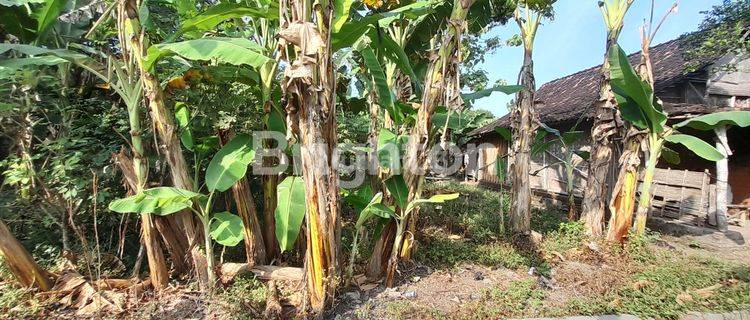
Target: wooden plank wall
x,y
677,194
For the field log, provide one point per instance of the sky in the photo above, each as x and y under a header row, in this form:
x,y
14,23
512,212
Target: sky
x,y
575,40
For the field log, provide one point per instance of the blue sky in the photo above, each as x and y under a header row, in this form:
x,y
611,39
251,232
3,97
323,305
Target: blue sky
x,y
575,40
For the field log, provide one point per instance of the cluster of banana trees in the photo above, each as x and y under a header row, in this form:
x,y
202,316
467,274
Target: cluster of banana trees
x,y
627,97
404,62
406,56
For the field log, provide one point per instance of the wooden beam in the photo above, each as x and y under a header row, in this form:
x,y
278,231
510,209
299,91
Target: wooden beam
x,y
229,271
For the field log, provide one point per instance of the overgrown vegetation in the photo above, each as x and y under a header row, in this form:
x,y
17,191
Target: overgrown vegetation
x,y
134,154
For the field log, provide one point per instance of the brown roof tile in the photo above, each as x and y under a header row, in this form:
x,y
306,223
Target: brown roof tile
x,y
567,98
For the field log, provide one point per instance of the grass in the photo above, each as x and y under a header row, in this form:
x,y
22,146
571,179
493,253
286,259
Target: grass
x,y
407,310
569,235
15,302
651,282
443,252
474,222
245,298
474,214
522,297
669,286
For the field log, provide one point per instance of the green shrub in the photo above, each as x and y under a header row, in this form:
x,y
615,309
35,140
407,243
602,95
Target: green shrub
x,y
12,297
245,297
441,251
475,213
568,235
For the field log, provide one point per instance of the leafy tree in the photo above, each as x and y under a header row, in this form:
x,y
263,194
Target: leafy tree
x,y
724,30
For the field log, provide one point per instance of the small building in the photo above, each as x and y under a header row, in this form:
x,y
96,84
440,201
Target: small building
x,y
685,191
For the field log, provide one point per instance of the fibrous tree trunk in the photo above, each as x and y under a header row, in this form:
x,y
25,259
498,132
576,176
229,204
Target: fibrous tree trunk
x,y
624,192
622,203
134,170
269,181
308,87
377,264
166,130
255,249
21,264
605,129
270,184
442,70
523,123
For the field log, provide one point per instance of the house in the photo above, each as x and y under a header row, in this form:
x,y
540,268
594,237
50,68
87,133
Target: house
x,y
685,191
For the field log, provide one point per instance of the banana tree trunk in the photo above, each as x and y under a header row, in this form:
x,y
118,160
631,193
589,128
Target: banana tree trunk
x,y
644,202
21,264
722,176
166,130
255,249
157,265
135,172
269,182
523,124
309,87
442,70
382,251
623,195
606,123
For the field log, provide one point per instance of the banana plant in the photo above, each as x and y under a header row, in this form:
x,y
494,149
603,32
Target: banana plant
x,y
365,204
123,80
639,105
603,129
290,211
228,166
399,190
566,141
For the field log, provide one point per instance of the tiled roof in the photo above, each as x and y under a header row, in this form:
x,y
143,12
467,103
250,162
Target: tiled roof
x,y
567,98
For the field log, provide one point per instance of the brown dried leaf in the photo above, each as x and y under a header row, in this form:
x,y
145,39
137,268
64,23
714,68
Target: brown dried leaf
x,y
300,69
304,35
368,286
85,292
68,282
640,284
684,298
708,291
616,303
103,302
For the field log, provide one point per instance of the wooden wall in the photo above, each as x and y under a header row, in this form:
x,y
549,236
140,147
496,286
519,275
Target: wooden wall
x,y
677,194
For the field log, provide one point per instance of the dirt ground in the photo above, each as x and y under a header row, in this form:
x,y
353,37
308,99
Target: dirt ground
x,y
428,294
